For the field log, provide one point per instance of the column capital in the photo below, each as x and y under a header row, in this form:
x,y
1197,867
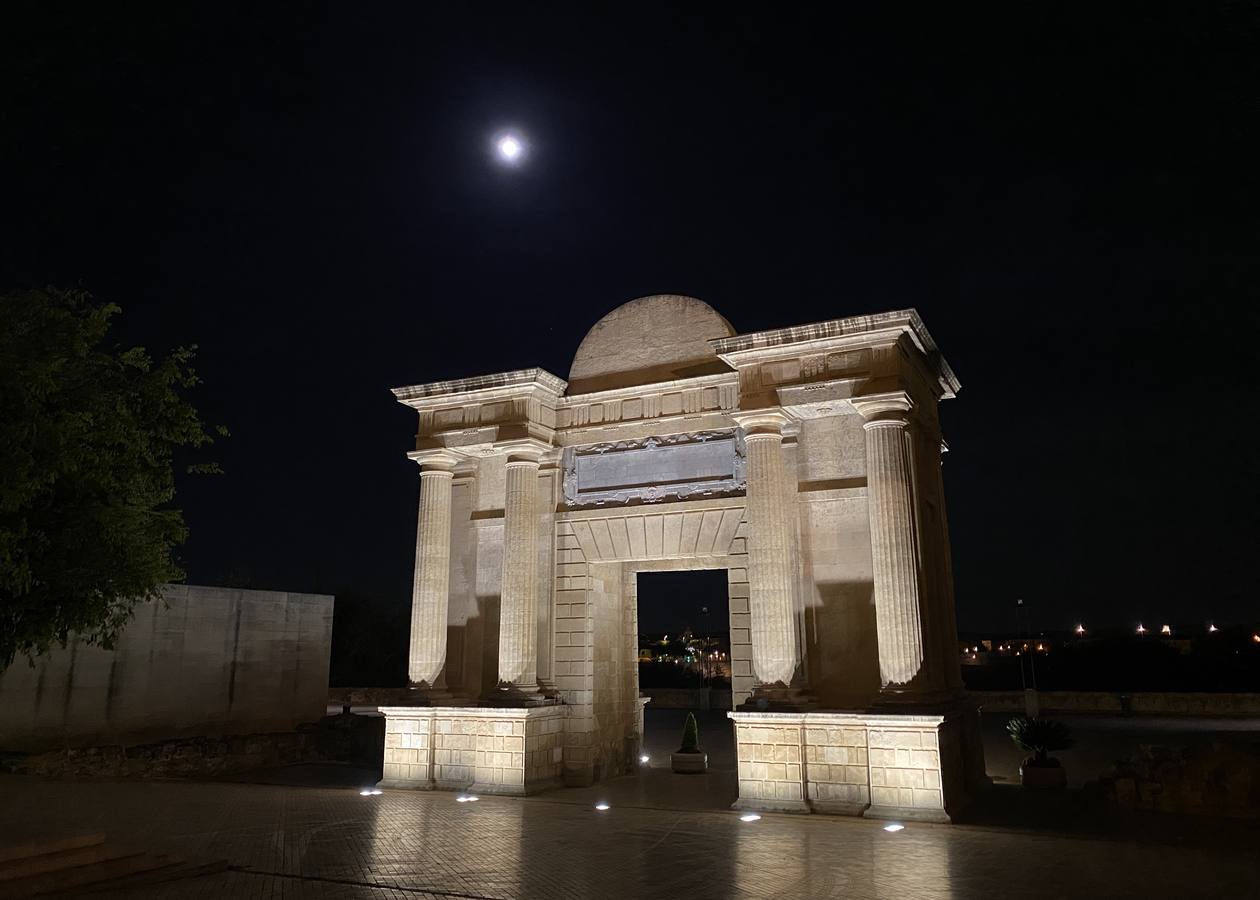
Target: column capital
x,y
763,423
431,461
524,451
891,408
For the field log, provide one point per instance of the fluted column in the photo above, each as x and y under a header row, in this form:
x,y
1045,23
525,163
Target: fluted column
x,y
770,562
894,544
430,596
518,604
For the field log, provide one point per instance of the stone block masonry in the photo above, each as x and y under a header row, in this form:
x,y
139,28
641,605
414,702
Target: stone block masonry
x,y
862,764
485,750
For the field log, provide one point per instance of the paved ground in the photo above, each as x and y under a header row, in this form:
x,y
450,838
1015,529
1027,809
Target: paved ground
x,y
665,836
332,843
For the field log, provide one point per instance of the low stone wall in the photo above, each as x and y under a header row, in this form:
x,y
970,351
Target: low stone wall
x,y
182,758
1220,779
370,696
687,698
1120,703
482,749
888,766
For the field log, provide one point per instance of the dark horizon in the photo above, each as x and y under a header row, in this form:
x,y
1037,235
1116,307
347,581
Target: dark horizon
x,y
1069,201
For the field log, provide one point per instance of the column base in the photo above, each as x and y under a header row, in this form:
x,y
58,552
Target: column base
x,y
513,697
423,695
779,698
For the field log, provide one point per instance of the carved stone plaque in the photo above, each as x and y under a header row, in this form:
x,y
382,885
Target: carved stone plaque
x,y
700,464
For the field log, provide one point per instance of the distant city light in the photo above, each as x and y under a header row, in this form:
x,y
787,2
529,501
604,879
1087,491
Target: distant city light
x,y
894,826
1080,629
1212,629
601,806
1167,629
749,817
1256,638
1141,629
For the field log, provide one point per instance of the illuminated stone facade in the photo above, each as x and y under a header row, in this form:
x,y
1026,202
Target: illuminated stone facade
x,y
804,461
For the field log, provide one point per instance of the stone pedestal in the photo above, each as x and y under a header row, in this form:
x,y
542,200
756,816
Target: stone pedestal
x,y
915,767
486,751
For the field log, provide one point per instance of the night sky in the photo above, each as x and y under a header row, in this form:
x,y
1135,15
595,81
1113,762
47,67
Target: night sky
x,y
1069,196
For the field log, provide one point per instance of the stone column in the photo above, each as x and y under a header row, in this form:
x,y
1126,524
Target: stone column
x,y
949,637
770,564
430,595
894,543
518,603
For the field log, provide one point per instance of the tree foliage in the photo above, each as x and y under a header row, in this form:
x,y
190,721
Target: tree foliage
x,y
88,436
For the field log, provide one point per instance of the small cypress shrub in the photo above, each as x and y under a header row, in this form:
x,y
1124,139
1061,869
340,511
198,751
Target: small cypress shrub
x,y
691,736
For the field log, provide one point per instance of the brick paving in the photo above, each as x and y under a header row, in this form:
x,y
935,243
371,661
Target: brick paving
x,y
332,843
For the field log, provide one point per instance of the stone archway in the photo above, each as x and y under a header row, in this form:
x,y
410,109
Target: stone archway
x,y
805,461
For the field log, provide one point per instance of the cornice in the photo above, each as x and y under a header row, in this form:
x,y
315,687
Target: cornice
x,y
758,345
480,385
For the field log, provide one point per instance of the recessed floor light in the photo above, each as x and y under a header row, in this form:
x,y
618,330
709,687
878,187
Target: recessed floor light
x,y
601,806
749,817
894,826
369,792
644,758
466,798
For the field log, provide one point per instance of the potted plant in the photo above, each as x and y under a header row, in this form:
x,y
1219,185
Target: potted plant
x,y
689,757
1040,737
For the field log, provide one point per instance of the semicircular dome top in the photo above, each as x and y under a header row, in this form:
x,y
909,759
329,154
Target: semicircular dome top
x,y
652,339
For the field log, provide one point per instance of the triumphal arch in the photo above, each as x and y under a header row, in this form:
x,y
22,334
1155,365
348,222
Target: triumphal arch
x,y
805,461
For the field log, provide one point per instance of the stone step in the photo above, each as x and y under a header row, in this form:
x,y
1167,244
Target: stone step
x,y
27,866
49,845
89,876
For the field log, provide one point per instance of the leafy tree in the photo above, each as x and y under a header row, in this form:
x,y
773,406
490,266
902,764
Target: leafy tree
x,y
88,435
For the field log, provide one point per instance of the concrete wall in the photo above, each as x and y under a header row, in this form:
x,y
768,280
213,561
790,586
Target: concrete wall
x,y
210,661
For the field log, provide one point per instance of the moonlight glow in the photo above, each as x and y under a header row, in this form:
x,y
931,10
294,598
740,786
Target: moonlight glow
x,y
510,148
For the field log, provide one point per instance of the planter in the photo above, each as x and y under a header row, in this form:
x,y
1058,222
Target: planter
x,y
1042,777
689,763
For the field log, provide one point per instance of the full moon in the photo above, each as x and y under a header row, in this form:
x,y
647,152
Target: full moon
x,y
510,148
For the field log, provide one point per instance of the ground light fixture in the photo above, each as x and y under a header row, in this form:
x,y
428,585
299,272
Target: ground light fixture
x,y
601,806
370,792
749,817
644,758
467,798
894,827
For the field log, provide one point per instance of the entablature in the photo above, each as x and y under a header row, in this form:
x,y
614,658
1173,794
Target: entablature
x,y
474,415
